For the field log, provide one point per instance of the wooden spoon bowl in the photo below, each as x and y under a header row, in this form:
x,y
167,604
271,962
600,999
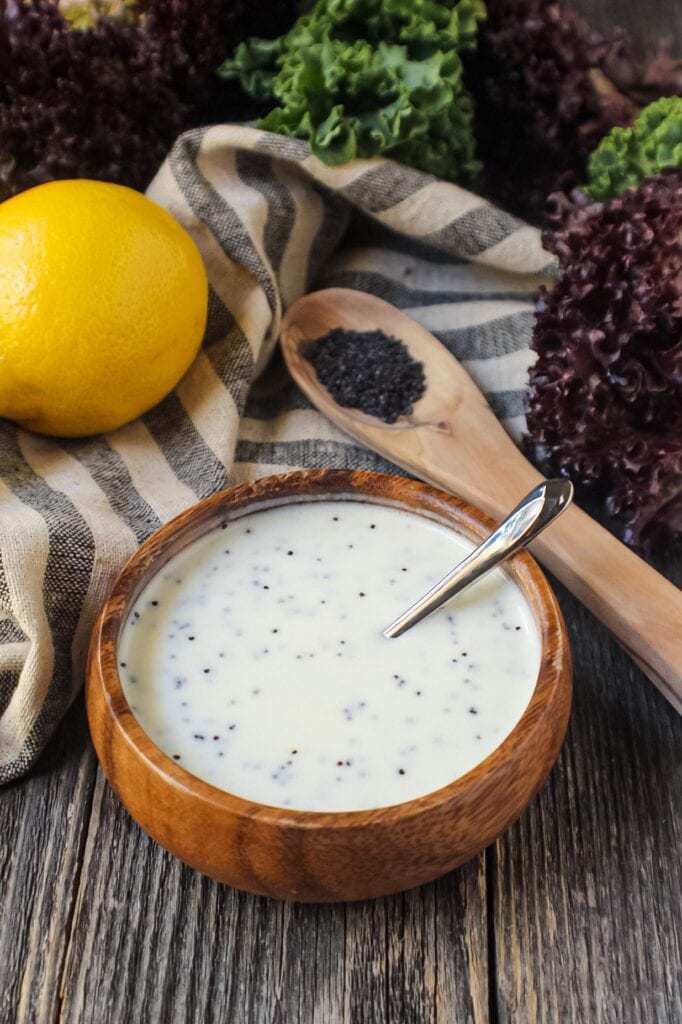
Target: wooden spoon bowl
x,y
453,440
313,856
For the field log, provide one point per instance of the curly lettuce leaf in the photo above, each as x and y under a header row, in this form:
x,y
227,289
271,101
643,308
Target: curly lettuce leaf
x,y
626,156
358,78
254,66
353,100
423,26
605,395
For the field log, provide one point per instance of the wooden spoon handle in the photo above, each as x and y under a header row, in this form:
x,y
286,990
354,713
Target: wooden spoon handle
x,y
456,442
641,608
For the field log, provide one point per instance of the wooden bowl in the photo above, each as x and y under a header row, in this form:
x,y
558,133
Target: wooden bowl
x,y
312,856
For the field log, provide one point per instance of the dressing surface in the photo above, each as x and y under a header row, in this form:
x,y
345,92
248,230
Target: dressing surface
x,y
255,658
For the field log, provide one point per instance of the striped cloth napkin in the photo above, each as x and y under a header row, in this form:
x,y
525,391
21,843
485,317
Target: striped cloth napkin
x,y
272,222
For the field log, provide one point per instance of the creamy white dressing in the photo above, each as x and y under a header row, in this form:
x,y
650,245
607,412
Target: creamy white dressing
x,y
255,658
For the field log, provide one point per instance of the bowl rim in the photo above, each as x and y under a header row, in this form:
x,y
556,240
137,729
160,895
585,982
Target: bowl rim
x,y
550,695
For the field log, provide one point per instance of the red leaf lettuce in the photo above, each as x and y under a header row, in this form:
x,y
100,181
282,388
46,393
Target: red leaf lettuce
x,y
605,403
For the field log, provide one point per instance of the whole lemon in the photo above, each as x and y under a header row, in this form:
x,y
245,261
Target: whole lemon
x,y
103,300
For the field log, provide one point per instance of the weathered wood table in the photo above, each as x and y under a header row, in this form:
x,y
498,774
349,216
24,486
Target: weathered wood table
x,y
573,916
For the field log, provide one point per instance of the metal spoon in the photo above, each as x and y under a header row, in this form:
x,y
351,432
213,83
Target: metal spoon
x,y
537,510
453,440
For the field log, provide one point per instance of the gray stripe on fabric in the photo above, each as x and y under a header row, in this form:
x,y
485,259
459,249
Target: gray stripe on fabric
x,y
335,220
8,684
232,361
507,403
270,406
382,187
11,632
70,560
313,454
228,350
215,211
473,232
400,294
185,450
26,757
109,471
365,231
256,171
54,707
284,147
188,455
500,337
219,321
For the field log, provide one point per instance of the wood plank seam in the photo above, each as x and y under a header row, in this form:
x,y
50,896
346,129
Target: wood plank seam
x,y
80,882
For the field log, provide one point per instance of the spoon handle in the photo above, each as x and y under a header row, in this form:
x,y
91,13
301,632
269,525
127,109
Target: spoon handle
x,y
457,443
537,510
640,607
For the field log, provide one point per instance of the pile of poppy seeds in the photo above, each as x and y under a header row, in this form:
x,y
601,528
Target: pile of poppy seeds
x,y
367,370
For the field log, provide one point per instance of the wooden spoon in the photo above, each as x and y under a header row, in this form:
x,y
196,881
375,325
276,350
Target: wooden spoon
x,y
453,440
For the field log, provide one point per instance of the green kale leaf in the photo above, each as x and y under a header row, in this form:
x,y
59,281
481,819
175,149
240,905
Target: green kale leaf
x,y
359,78
626,156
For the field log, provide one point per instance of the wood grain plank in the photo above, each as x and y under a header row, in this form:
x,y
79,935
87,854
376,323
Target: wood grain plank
x,y
462,953
187,949
588,885
586,891
43,822
586,894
